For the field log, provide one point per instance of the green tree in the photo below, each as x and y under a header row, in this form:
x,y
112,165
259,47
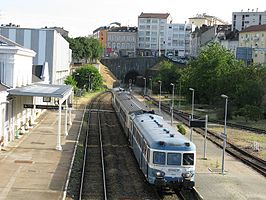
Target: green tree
x,y
249,112
206,73
168,74
70,81
87,48
88,77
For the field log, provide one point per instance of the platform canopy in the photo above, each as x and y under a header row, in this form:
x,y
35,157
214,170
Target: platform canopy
x,y
42,90
62,92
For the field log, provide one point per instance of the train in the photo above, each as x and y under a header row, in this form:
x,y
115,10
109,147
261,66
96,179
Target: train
x,y
166,158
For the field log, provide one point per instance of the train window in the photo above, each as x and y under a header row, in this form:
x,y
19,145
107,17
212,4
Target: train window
x,y
188,159
159,158
174,159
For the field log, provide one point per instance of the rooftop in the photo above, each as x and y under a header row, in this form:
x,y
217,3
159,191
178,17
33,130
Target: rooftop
x,y
154,15
7,42
3,87
41,90
254,28
123,29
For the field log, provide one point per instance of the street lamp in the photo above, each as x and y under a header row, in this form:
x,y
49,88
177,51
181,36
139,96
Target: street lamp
x,y
144,86
225,134
172,107
90,81
160,87
192,110
150,79
179,102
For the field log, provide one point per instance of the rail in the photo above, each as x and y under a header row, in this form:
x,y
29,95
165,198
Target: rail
x,y
256,163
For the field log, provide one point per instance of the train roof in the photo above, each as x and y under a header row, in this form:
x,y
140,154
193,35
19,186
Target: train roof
x,y
160,135
129,102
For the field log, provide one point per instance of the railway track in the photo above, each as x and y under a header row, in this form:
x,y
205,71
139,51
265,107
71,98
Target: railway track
x,y
188,195
110,170
256,163
93,184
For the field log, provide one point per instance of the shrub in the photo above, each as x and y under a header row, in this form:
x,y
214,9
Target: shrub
x,y
181,129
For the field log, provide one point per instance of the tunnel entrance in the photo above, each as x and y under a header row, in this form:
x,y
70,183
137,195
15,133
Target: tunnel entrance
x,y
131,77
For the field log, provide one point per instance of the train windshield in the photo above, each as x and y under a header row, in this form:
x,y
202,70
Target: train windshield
x,y
159,158
188,159
174,159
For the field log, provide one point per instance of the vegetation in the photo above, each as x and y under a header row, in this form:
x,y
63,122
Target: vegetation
x,y
214,72
181,129
86,77
86,48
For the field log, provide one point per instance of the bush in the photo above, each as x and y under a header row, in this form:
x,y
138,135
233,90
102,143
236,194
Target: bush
x,y
249,112
181,129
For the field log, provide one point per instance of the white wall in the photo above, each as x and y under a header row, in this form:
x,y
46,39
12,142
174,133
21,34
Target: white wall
x,y
22,70
3,124
61,58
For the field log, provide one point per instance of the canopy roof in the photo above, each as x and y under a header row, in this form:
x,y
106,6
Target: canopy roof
x,y
42,90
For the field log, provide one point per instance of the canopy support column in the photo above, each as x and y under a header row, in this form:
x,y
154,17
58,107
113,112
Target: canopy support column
x,y
58,145
66,132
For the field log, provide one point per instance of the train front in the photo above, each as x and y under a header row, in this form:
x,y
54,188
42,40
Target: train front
x,y
174,169
172,160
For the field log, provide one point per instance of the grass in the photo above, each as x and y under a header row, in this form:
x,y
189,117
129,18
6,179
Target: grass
x,y
244,139
212,113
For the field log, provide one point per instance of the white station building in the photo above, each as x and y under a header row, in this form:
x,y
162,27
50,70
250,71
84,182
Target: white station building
x,y
21,97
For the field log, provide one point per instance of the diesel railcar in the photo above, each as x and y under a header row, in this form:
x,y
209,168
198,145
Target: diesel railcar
x,y
166,158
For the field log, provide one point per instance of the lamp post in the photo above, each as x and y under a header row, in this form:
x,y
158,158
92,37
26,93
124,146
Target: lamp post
x,y
90,81
172,107
150,79
192,111
144,86
225,134
179,102
160,87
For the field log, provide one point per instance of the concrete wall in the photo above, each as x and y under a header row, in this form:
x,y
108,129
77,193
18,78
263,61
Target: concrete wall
x,y
121,66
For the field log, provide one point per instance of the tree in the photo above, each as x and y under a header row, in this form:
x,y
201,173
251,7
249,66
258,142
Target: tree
x,y
168,74
88,77
87,48
249,112
206,73
70,81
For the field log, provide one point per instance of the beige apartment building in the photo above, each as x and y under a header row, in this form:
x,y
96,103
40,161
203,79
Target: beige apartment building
x,y
255,37
205,19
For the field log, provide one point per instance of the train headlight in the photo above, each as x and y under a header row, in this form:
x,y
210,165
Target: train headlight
x,y
159,174
187,175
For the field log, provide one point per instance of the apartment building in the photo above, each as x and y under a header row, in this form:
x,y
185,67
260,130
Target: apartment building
x,y
121,41
49,46
158,35
178,39
205,19
117,40
152,33
101,34
242,20
201,37
252,44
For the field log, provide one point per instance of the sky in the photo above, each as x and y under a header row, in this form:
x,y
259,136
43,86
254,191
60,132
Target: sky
x,y
81,17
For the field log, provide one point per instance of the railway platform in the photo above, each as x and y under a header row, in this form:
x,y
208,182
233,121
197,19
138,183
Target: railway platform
x,y
31,168
239,182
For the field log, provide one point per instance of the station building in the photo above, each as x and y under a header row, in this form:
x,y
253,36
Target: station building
x,y
49,45
21,85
